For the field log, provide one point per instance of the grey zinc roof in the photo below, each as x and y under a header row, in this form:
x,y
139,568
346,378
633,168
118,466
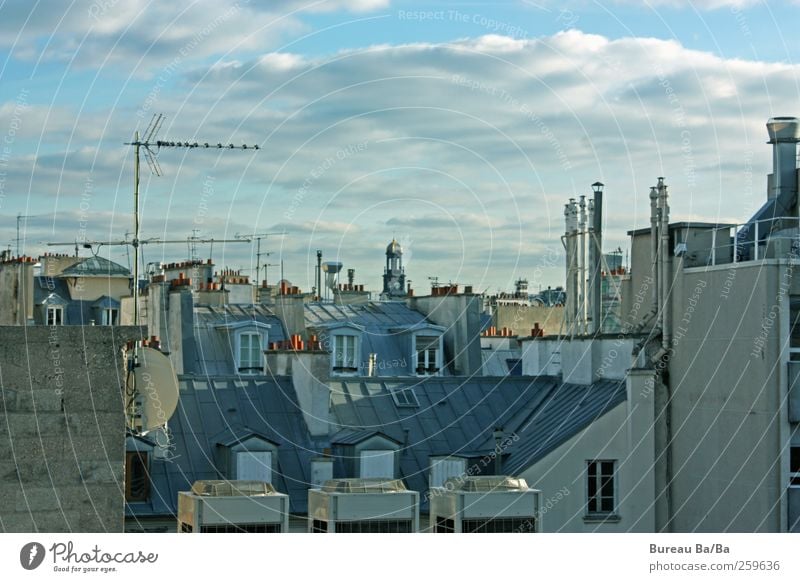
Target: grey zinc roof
x,y
385,327
208,410
96,267
455,416
214,353
458,416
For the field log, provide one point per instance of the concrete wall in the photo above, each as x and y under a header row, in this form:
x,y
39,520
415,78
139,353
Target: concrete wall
x,y
460,314
561,477
62,428
16,293
727,383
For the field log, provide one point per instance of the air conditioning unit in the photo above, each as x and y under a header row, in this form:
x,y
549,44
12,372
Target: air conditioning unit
x,y
485,504
363,506
232,507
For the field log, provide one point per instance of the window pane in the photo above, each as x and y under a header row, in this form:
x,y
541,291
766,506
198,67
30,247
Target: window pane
x,y
794,462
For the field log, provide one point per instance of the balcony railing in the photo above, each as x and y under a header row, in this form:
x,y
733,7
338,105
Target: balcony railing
x,y
771,238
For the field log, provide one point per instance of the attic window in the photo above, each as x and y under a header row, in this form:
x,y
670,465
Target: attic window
x,y
345,350
405,398
250,359
55,316
110,316
426,355
137,479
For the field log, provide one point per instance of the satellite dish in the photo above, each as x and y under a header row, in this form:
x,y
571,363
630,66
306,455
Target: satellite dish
x,y
156,388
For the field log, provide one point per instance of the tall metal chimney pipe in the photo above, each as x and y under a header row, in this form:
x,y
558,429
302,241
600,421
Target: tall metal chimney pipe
x,y
784,133
597,326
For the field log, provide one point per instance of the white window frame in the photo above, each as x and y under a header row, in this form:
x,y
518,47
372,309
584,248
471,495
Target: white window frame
x,y
349,366
427,353
599,512
372,455
58,313
254,466
241,366
110,316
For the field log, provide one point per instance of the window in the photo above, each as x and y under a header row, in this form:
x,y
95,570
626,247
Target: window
x,y
794,466
254,466
600,488
426,349
110,317
514,366
405,397
344,354
378,464
55,316
445,468
250,359
444,525
137,479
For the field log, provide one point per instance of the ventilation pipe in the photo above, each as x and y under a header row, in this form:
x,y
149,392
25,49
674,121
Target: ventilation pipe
x,y
597,236
582,314
591,259
571,222
666,275
654,262
784,133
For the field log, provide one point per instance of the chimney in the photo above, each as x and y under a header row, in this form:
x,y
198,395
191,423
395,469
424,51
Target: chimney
x,y
784,133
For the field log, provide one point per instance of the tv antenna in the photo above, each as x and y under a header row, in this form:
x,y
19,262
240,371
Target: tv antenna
x,y
434,282
259,254
151,148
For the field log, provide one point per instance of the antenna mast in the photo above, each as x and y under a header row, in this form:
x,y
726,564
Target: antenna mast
x,y
147,144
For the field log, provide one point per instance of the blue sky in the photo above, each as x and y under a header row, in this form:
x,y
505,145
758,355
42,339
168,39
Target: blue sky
x,y
461,128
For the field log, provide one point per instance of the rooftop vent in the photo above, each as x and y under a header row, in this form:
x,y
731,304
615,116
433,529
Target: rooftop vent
x,y
485,504
232,507
363,506
233,488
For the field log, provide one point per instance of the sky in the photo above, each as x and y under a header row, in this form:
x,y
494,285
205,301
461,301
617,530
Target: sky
x,y
459,128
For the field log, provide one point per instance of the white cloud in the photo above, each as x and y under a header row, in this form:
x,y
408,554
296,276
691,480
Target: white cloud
x,y
468,148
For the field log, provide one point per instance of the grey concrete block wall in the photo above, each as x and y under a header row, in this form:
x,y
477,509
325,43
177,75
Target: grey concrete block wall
x,y
62,428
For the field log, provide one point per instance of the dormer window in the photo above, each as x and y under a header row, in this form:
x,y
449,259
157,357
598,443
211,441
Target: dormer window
x,y
55,315
250,360
427,355
345,354
110,317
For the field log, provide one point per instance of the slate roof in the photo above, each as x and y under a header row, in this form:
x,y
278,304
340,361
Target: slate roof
x,y
458,416
95,267
455,416
209,408
385,327
214,353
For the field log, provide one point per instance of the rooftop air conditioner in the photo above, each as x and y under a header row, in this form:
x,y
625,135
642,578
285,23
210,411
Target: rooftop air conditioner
x,y
486,504
363,506
232,507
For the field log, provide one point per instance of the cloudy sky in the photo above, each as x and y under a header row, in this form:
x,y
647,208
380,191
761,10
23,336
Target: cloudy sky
x,y
461,128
